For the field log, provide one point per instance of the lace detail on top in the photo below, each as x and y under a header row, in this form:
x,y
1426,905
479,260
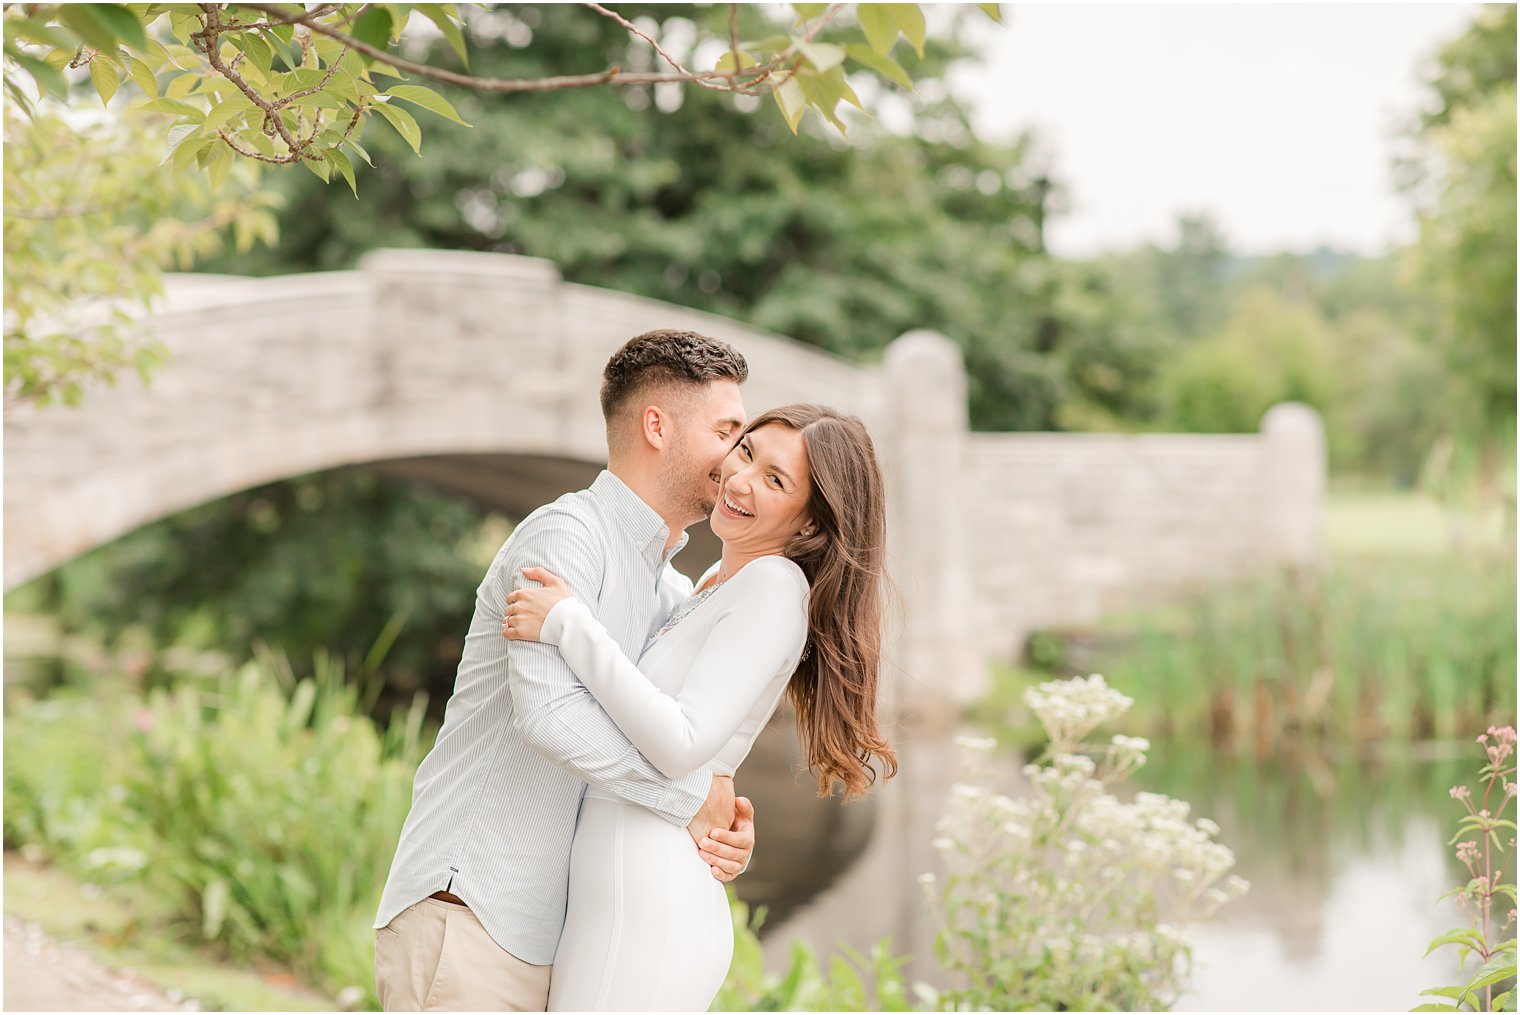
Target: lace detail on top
x,y
685,606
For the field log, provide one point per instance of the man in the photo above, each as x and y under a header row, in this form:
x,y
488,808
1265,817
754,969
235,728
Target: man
x,y
475,901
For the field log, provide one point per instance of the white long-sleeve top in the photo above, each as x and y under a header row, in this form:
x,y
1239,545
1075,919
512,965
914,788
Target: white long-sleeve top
x,y
704,689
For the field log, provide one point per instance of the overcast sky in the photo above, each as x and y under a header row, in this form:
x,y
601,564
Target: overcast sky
x,y
1277,119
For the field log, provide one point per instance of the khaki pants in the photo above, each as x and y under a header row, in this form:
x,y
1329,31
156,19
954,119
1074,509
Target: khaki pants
x,y
436,956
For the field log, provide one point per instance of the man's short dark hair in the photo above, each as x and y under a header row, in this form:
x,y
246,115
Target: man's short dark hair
x,y
666,357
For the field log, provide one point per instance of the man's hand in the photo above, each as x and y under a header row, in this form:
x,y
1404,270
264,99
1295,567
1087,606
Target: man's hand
x,y
717,810
727,850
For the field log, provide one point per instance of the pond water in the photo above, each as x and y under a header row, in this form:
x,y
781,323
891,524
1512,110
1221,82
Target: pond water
x,y
1346,857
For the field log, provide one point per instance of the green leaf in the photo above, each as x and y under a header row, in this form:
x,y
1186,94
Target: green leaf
x,y
374,27
427,99
219,164
1505,1001
177,135
177,107
792,102
1466,936
40,32
259,52
824,92
105,77
321,167
726,62
883,65
1500,967
1434,1007
443,16
223,113
188,151
144,78
345,167
809,11
1455,993
824,56
403,122
49,78
993,11
879,25
103,25
356,146
910,20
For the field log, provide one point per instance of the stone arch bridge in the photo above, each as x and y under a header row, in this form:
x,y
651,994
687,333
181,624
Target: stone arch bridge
x,y
478,373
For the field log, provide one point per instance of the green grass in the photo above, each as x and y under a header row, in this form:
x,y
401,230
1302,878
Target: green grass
x,y
1365,521
125,928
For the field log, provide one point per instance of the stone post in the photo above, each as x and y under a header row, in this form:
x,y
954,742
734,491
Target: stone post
x,y
933,663
1297,470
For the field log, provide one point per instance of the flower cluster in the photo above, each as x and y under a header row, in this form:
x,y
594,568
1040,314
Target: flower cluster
x,y
1068,894
1071,709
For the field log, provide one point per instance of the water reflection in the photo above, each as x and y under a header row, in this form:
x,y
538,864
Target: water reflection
x,y
1346,856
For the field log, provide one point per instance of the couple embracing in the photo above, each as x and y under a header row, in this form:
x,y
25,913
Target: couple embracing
x,y
573,825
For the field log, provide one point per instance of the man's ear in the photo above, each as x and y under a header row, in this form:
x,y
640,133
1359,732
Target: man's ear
x,y
654,426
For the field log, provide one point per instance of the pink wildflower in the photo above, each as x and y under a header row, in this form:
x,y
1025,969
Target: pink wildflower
x,y
1467,852
1459,792
143,720
1510,789
1482,738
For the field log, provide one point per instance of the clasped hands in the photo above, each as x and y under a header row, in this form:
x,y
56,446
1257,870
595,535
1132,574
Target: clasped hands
x,y
724,829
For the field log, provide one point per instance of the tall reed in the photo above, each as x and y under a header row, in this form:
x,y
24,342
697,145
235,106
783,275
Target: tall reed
x,y
1413,648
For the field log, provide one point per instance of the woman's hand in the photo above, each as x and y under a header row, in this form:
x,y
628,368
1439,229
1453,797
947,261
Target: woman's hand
x,y
527,608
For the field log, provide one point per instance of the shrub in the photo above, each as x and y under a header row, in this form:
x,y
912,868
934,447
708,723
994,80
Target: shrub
x,y
1485,864
1071,899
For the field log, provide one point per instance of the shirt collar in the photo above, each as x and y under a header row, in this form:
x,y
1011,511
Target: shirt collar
x,y
641,522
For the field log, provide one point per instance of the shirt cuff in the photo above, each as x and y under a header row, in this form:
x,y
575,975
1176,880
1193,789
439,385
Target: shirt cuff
x,y
684,797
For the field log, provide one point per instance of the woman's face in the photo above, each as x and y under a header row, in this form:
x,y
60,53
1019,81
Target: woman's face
x,y
763,490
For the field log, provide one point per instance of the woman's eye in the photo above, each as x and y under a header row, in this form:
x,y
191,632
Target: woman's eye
x,y
776,481
745,449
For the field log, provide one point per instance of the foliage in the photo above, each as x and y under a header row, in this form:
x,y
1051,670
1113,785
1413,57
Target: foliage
x,y
1070,899
212,93
853,982
1463,180
225,805
60,802
1268,351
280,83
1494,953
90,220
381,572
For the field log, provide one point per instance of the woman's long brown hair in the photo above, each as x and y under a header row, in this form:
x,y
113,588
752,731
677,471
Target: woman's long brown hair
x,y
834,686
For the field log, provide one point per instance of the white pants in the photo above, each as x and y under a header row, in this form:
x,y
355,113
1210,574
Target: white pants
x,y
647,926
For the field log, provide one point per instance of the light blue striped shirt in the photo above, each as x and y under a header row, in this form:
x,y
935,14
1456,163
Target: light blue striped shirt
x,y
495,801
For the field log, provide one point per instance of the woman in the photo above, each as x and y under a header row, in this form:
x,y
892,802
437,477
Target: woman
x,y
793,605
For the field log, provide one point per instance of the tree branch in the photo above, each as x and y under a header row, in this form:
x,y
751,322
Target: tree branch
x,y
611,76
629,26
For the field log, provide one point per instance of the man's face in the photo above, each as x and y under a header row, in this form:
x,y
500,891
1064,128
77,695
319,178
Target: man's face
x,y
706,426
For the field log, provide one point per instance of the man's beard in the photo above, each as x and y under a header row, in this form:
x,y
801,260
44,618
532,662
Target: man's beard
x,y
688,493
